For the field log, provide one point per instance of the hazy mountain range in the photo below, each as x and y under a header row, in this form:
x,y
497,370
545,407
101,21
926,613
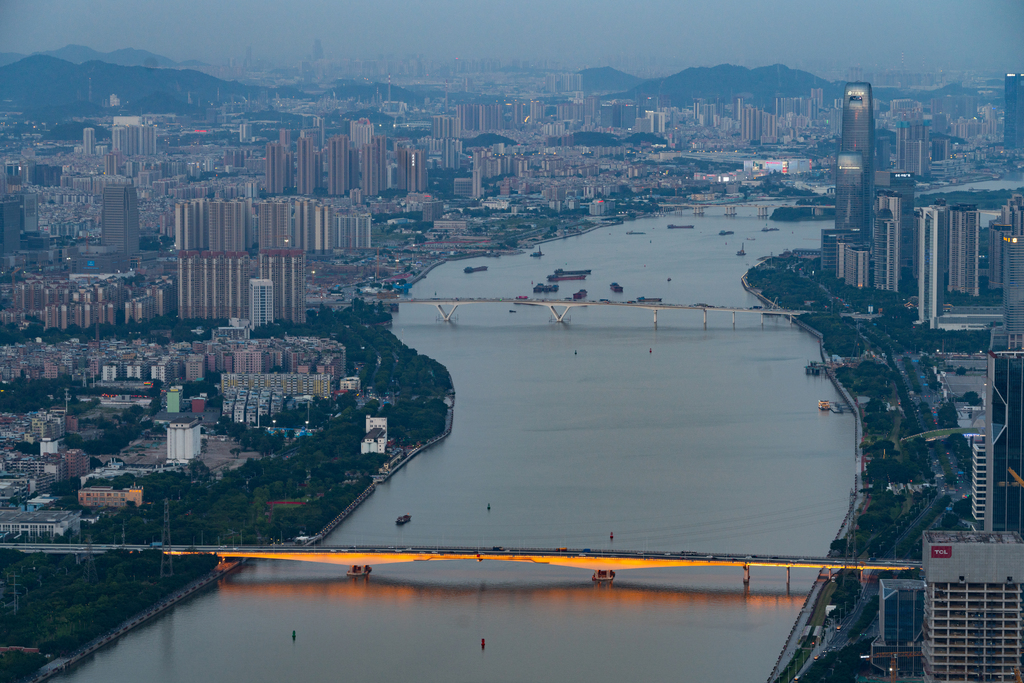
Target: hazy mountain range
x,y
79,54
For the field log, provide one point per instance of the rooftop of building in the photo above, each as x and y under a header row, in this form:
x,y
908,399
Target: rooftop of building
x,y
972,537
11,516
901,584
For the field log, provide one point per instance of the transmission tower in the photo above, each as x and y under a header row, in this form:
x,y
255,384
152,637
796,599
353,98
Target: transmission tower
x,y
166,561
90,566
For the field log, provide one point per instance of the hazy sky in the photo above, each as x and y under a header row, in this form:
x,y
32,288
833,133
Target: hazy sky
x,y
949,34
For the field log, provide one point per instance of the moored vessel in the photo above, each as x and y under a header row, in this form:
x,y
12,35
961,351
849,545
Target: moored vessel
x,y
616,287
470,269
404,519
603,575
359,570
680,227
824,405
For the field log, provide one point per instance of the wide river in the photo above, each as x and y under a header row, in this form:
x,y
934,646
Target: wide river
x,y
673,438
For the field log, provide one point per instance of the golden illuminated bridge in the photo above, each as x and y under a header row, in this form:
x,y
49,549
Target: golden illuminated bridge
x,y
585,558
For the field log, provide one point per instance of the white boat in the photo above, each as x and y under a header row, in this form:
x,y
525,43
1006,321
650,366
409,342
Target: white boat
x,y
359,570
603,576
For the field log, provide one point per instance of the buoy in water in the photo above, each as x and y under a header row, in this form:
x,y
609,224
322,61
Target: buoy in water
x,y
611,536
488,506
483,643
650,350
574,352
293,635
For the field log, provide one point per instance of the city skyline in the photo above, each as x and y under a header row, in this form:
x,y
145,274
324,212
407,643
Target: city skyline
x,y
942,37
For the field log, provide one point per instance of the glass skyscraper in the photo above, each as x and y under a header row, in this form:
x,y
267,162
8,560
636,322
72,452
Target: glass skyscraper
x,y
855,176
1013,122
1005,441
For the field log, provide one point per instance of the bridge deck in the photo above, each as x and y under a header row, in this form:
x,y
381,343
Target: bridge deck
x,y
645,305
578,558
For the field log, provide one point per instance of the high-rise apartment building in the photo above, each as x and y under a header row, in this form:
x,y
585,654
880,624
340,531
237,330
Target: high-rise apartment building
x,y
360,132
213,284
89,141
374,163
445,127
852,265
121,219
275,171
10,224
412,169
855,178
352,231
229,225
322,239
933,223
339,165
886,240
191,225
1013,120
286,269
261,302
963,249
303,221
275,225
972,609
307,175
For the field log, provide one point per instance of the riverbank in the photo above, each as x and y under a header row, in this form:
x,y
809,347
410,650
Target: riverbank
x,y
62,664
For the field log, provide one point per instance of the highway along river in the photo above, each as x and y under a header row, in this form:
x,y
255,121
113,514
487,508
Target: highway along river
x,y
671,438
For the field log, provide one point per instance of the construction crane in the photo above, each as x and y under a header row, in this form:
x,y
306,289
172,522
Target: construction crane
x,y
13,273
1015,476
1016,671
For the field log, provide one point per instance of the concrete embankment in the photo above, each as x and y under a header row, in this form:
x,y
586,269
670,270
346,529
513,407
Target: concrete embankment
x,y
64,663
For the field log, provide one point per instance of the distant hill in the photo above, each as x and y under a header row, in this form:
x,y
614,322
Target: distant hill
x,y
607,79
762,84
79,54
344,89
10,58
43,83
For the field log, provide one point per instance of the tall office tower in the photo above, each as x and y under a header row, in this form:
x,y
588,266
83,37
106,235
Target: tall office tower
x,y
353,231
213,284
228,227
1012,214
536,113
284,138
412,169
321,240
886,240
275,168
307,175
110,164
338,166
855,177
303,219
261,302
89,141
10,224
1013,291
361,132
903,184
191,225
852,265
286,269
121,219
318,50
445,127
883,154
996,256
913,148
374,161
972,608
850,181
1004,422
933,222
963,249
1013,121
275,225
900,625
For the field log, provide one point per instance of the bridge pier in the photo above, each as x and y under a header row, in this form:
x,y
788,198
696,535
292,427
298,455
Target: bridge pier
x,y
655,317
705,318
746,575
558,318
762,321
787,577
734,320
446,316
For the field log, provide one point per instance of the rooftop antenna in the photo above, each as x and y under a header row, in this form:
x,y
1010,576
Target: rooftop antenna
x,y
446,96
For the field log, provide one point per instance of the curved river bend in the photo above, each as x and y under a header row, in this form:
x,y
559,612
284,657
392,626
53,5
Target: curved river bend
x,y
672,438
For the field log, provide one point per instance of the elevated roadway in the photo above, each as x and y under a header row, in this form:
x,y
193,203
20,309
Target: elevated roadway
x,y
584,558
566,304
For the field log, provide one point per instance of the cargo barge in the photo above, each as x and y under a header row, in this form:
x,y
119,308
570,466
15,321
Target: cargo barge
x,y
541,288
470,269
616,287
680,227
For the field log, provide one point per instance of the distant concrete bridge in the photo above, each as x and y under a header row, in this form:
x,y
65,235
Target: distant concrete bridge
x,y
566,304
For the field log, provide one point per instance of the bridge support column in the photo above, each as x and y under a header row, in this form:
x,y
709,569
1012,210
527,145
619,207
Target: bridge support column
x,y
655,317
705,318
762,321
787,576
446,316
734,320
746,574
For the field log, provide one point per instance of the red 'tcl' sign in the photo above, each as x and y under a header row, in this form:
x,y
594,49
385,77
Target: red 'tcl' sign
x,y
943,551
